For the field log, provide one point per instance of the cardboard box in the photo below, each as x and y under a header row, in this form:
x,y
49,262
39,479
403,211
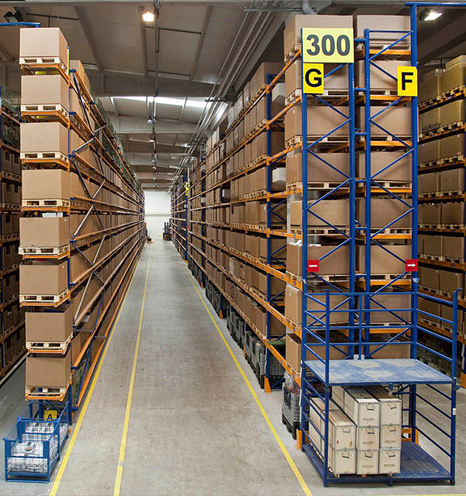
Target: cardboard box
x,y
317,170
429,278
451,180
396,120
430,86
334,212
77,66
368,438
293,352
429,183
390,461
429,152
43,278
338,80
450,281
390,406
392,300
383,212
44,137
452,78
260,77
433,245
276,327
430,120
48,371
451,146
383,262
379,78
51,327
292,34
387,25
43,43
335,263
367,462
361,407
321,120
399,171
452,113
430,213
453,247
452,213
46,184
47,90
44,231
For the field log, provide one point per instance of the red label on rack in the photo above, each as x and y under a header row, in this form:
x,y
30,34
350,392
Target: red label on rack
x,y
313,265
411,265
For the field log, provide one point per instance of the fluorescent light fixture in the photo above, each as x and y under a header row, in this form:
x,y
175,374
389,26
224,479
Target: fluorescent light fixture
x,y
148,16
178,102
432,15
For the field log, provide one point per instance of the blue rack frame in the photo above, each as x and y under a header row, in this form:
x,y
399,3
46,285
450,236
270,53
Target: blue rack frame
x,y
416,464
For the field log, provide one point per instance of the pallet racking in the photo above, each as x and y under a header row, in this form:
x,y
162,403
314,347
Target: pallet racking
x,y
12,342
179,216
352,318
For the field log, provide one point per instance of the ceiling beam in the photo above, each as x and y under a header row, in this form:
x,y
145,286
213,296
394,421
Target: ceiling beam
x,y
82,16
126,124
200,43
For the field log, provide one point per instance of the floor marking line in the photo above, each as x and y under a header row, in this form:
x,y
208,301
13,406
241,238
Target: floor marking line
x,y
287,455
129,400
66,458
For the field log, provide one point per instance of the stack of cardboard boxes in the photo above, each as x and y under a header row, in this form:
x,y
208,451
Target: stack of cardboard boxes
x,y
83,229
441,187
12,341
364,430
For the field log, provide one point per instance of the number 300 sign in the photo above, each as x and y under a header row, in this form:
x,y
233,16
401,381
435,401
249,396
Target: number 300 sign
x,y
328,45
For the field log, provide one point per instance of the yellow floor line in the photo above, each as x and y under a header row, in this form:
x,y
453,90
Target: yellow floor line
x,y
66,458
129,401
290,461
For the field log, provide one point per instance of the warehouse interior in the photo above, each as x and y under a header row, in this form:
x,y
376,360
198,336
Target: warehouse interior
x,y
162,329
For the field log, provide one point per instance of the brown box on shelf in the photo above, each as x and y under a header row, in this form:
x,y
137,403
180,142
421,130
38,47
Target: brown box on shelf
x,y
398,303
292,34
452,146
43,327
433,245
429,278
276,327
45,44
279,210
379,79
396,120
430,120
335,212
321,120
388,27
429,152
317,170
452,180
261,111
46,184
431,307
452,78
399,171
382,262
48,371
47,90
451,113
277,243
430,213
260,283
453,247
259,144
429,183
450,281
11,193
430,86
335,263
79,68
44,231
293,306
44,137
452,213
383,212
260,77
338,80
43,278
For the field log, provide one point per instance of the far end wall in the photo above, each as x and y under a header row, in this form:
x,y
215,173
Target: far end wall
x,y
157,212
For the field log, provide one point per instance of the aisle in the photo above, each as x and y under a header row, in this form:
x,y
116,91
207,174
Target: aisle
x,y
194,427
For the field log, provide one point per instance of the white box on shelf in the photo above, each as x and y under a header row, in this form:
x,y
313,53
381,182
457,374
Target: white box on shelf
x,y
390,406
341,461
341,431
362,407
367,462
368,438
390,437
390,461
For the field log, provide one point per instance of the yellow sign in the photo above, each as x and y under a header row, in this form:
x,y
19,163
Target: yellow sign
x,y
407,81
313,79
328,45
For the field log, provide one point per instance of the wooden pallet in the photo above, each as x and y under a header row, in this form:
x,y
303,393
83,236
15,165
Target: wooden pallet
x,y
318,231
49,347
392,230
293,277
33,109
44,156
44,299
293,325
443,161
327,141
44,251
30,62
56,393
45,203
293,96
292,52
459,192
294,186
443,129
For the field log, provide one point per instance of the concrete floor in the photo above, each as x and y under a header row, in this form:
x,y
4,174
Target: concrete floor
x,y
194,428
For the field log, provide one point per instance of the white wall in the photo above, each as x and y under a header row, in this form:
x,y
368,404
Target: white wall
x,y
157,212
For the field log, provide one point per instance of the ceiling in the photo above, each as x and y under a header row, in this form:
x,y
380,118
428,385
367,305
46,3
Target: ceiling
x,y
196,44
